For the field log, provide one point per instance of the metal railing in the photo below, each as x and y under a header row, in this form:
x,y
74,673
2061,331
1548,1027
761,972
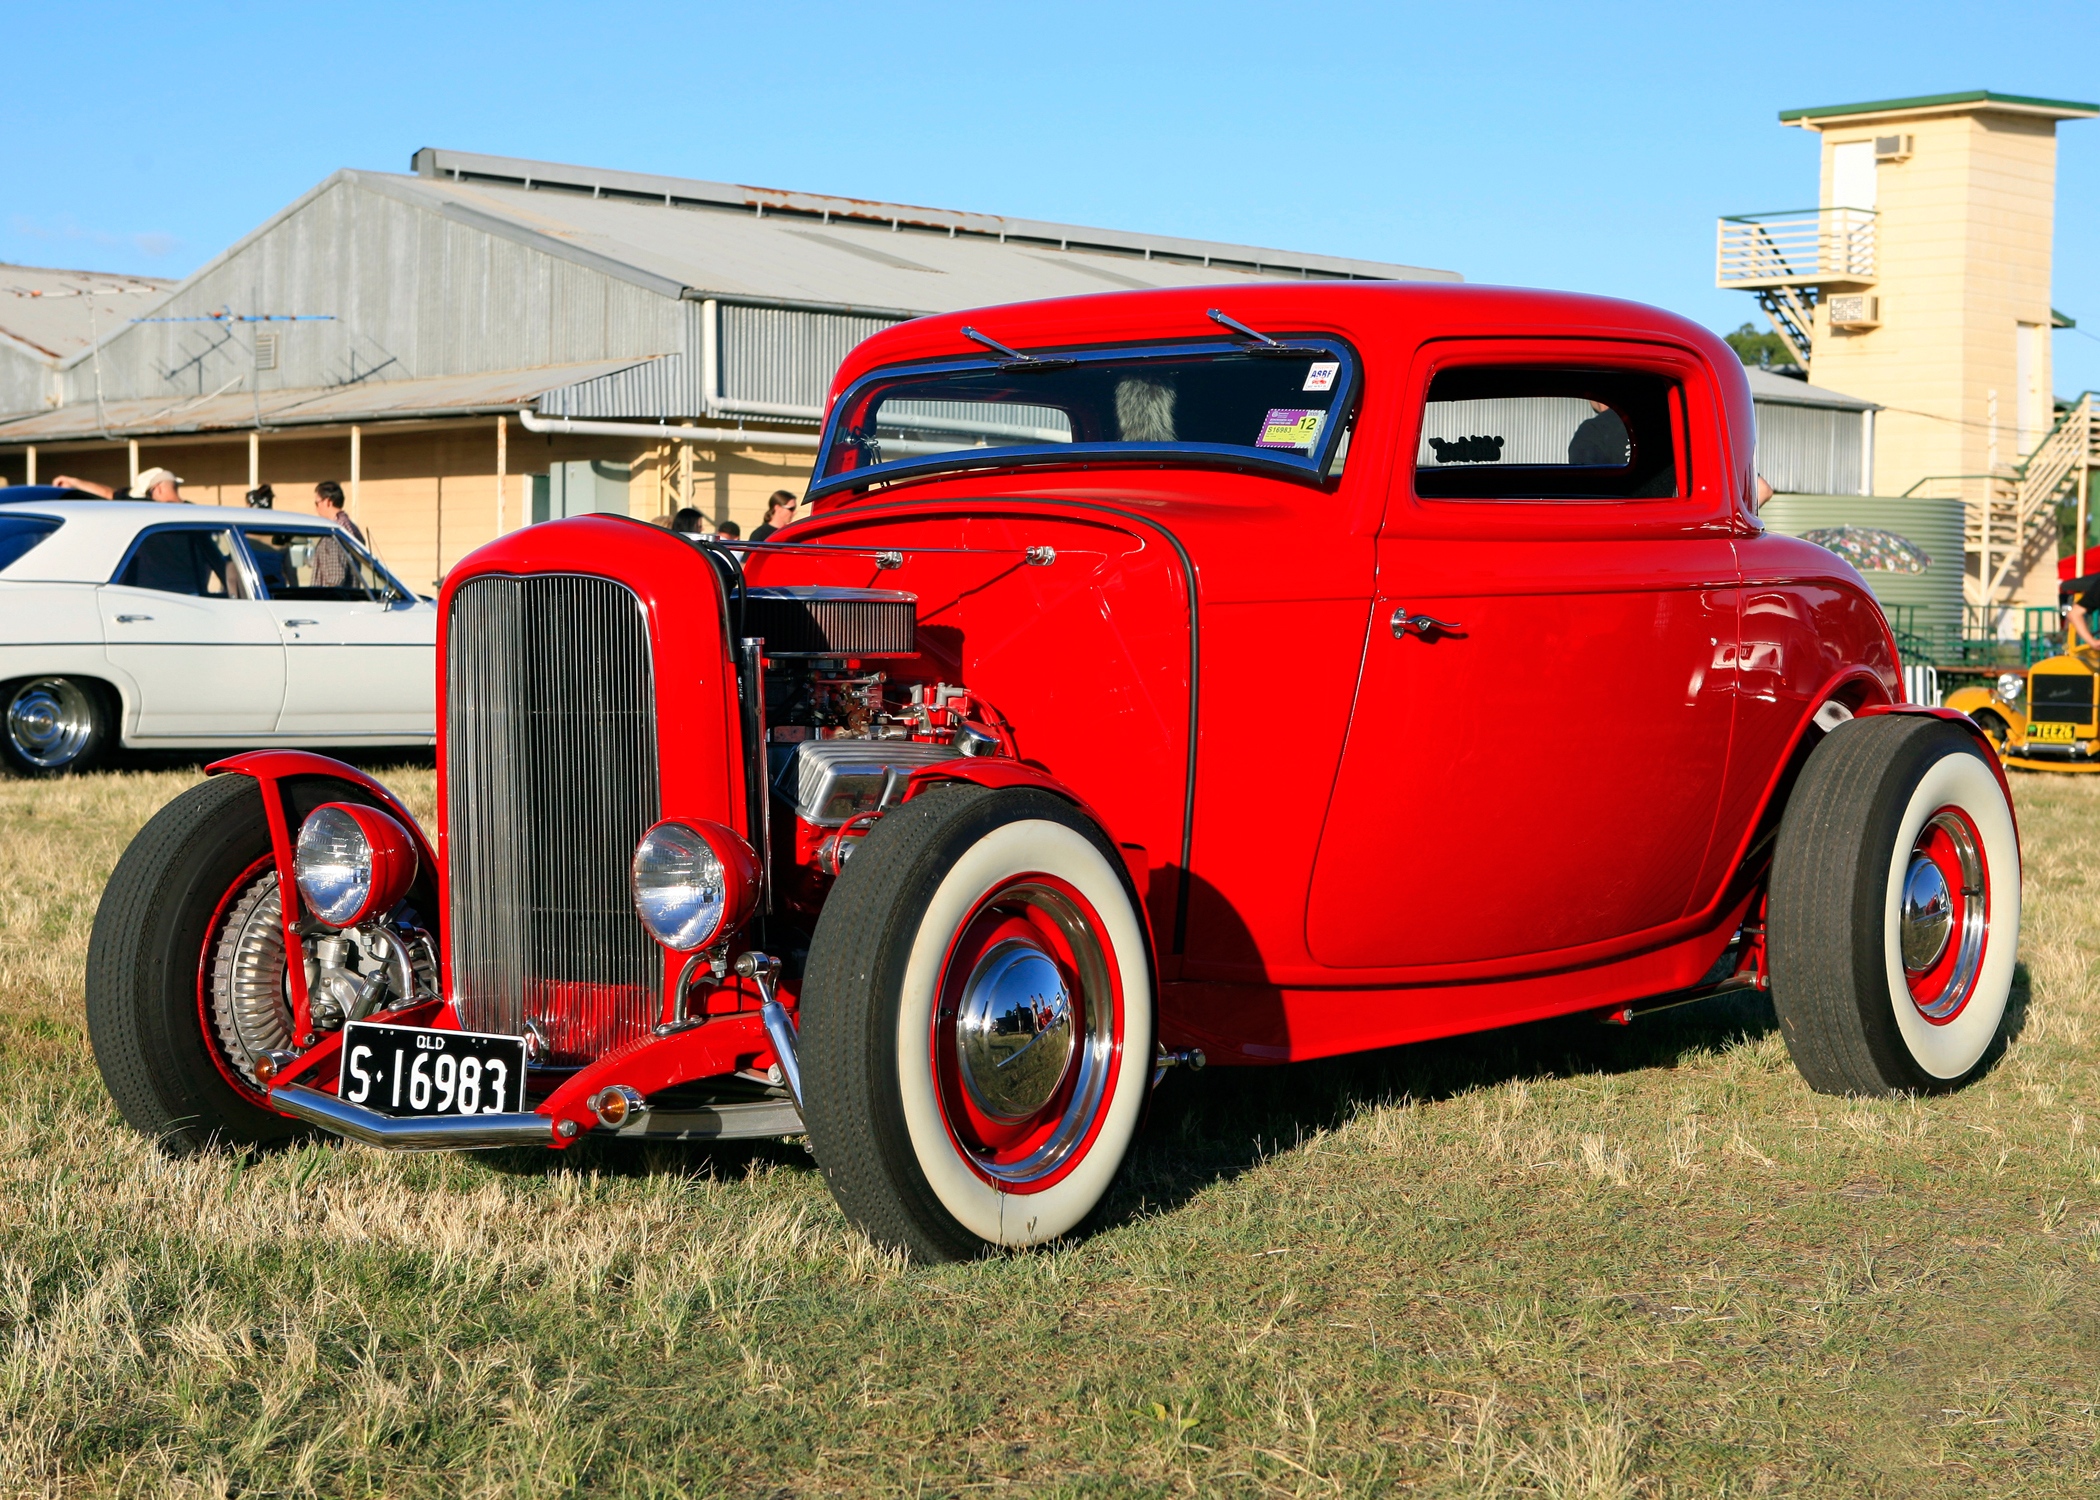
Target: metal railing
x,y
1796,247
2009,519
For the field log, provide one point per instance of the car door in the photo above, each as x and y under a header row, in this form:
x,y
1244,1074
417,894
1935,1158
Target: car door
x,y
1541,732
181,621
360,649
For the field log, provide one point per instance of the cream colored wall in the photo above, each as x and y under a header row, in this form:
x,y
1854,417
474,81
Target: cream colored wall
x,y
1963,257
723,483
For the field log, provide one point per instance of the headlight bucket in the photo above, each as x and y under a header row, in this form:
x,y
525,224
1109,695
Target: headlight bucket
x,y
2009,685
352,863
692,880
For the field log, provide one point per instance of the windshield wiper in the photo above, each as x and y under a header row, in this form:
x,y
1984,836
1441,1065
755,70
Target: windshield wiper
x,y
1016,361
1262,344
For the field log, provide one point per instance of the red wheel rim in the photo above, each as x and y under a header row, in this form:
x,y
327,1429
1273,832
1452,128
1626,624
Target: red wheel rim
x,y
1023,1136
207,1023
1943,915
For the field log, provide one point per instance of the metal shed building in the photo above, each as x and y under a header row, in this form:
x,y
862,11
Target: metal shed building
x,y
386,331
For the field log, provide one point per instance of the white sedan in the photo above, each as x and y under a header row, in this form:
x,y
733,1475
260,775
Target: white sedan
x,y
193,626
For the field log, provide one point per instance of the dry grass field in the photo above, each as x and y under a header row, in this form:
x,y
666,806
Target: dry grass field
x,y
1567,1261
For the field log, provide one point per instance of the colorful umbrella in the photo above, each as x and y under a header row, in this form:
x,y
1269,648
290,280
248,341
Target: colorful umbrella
x,y
1870,549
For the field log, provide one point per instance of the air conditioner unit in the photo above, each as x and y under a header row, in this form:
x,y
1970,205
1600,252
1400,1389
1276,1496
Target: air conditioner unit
x,y
1855,310
1892,147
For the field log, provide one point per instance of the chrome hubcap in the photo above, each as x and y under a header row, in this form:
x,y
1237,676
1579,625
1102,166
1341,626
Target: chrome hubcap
x,y
50,722
1013,1030
1927,921
1935,916
251,1006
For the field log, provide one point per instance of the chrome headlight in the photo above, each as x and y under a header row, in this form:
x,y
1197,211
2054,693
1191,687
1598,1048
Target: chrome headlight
x,y
2009,685
693,880
352,863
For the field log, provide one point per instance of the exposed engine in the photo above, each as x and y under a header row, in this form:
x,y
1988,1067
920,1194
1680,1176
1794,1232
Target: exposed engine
x,y
849,720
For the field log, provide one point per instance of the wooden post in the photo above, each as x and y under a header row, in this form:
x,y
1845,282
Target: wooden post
x,y
254,459
685,476
502,467
31,454
357,456
134,445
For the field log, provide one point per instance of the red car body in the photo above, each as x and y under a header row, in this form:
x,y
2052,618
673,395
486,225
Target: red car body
x,y
1344,838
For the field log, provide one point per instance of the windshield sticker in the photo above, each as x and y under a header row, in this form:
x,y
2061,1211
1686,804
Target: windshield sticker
x,y
1290,427
1321,376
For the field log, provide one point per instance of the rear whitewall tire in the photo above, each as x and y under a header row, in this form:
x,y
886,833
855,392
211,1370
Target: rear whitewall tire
x,y
1877,797
1951,1049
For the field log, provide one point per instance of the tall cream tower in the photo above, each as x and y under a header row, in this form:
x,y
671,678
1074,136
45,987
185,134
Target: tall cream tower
x,y
1921,282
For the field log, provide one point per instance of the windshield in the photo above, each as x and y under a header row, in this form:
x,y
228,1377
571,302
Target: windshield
x,y
1282,411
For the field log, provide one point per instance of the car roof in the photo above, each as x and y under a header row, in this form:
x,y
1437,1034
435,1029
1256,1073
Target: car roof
x,y
96,533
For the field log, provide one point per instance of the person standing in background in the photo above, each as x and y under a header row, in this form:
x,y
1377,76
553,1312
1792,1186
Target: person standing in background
x,y
729,531
332,563
780,510
262,497
687,521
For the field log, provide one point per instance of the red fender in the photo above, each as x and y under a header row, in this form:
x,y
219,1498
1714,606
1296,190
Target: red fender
x,y
1983,743
269,767
997,772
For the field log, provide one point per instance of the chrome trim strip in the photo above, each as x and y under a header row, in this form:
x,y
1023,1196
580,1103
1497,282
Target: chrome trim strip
x,y
413,1133
716,1122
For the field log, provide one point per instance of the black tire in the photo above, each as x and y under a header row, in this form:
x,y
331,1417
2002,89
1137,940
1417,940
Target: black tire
x,y
174,1077
946,895
53,725
1862,1013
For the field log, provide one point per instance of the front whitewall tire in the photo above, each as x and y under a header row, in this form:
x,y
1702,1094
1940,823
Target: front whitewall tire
x,y
995,1216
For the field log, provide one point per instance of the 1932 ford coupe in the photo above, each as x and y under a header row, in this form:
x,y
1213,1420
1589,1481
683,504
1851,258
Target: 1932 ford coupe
x,y
1099,720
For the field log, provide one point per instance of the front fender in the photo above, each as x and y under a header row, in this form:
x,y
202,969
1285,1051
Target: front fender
x,y
1975,732
268,768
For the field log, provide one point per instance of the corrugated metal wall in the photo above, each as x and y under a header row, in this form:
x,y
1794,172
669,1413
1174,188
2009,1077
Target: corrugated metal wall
x,y
774,354
410,294
1533,429
1935,525
1809,450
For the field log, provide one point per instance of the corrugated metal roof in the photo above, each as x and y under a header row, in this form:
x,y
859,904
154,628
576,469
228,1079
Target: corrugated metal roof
x,y
51,314
775,245
1783,390
371,401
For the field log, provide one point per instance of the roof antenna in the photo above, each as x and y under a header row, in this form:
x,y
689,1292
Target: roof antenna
x,y
1263,344
1015,359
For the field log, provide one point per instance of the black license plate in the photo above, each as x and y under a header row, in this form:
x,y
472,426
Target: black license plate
x,y
412,1070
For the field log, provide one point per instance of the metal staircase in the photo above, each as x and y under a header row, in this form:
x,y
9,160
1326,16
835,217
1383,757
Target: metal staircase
x,y
2009,519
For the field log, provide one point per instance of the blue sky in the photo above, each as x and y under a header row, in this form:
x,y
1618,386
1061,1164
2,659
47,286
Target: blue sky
x,y
1583,147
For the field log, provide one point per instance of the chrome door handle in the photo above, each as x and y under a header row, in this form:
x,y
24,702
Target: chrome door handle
x,y
131,619
302,622
1424,626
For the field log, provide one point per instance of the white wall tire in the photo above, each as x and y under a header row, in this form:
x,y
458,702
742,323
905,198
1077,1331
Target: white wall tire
x,y
948,889
1895,910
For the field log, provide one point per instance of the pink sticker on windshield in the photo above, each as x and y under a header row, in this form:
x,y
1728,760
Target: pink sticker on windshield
x,y
1290,427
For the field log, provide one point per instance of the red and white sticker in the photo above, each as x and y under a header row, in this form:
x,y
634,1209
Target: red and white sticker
x,y
1321,376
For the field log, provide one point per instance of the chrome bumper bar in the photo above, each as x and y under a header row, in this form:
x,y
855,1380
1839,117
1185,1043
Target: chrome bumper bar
x,y
721,1122
414,1133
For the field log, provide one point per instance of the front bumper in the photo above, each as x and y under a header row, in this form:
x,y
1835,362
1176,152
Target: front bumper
x,y
756,1120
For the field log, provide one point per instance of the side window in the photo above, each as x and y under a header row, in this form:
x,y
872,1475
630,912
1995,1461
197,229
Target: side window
x,y
192,560
19,534
315,565
1538,433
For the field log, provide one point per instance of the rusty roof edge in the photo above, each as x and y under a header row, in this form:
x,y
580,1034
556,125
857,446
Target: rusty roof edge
x,y
438,165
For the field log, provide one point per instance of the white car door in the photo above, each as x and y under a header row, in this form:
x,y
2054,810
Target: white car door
x,y
360,649
179,620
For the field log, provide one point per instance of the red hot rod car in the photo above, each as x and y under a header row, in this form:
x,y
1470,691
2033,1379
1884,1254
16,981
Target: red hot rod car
x,y
1093,724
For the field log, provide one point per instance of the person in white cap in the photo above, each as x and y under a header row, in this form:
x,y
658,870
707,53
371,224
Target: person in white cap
x,y
152,484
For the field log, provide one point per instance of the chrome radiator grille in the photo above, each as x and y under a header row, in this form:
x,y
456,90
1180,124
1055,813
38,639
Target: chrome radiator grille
x,y
550,779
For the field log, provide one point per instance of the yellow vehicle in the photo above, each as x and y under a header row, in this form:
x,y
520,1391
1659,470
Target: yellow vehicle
x,y
2046,721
